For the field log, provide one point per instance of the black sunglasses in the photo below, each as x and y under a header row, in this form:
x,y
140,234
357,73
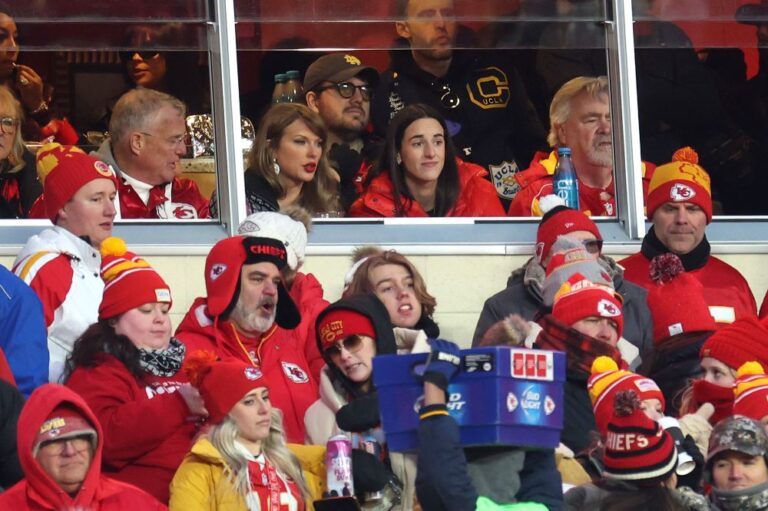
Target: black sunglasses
x,y
144,55
448,98
347,90
593,246
352,344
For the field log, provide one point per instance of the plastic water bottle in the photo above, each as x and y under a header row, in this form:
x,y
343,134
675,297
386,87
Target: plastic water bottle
x,y
278,93
294,92
565,182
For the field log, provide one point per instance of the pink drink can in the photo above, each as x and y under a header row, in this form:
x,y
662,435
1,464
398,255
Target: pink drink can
x,y
338,463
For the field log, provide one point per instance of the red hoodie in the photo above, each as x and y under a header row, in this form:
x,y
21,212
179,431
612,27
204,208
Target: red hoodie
x,y
307,294
278,353
39,492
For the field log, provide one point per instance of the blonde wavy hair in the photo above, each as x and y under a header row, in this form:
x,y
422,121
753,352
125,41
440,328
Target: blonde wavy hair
x,y
321,195
560,108
16,156
223,436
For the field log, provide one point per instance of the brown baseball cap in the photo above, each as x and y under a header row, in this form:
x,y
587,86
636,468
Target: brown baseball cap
x,y
337,67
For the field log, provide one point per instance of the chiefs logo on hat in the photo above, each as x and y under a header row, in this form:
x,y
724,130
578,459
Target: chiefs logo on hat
x,y
681,193
606,308
217,270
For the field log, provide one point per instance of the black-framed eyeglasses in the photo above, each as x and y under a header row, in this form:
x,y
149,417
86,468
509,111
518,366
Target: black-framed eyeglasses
x,y
144,55
352,344
347,90
448,98
8,125
593,246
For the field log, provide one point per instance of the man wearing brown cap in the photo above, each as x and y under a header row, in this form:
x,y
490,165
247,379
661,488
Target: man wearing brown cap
x,y
339,86
59,442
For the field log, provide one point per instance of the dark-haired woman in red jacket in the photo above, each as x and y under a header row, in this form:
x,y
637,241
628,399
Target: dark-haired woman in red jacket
x,y
419,174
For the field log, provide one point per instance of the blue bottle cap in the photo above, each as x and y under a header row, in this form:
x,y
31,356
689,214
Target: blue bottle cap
x,y
563,150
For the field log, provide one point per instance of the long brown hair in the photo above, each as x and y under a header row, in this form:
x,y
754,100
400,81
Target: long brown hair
x,y
361,282
319,195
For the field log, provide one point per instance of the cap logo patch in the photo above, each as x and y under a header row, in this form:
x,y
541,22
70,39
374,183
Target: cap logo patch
x,y
163,295
681,193
249,227
352,60
251,373
606,308
295,373
53,425
646,385
217,270
676,328
102,168
331,331
568,225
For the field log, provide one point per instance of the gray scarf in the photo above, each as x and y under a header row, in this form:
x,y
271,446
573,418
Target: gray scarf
x,y
748,499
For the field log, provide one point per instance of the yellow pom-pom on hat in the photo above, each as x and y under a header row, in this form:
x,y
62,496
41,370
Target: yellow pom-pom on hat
x,y
603,364
750,391
682,180
113,246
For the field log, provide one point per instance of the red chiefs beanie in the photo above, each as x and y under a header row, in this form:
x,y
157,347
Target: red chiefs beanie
x,y
637,448
607,380
676,300
558,221
579,298
751,391
222,275
63,170
339,324
681,180
742,341
221,383
129,281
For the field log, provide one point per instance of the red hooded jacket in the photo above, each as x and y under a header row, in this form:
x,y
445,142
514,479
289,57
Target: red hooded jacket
x,y
477,196
278,353
307,294
39,492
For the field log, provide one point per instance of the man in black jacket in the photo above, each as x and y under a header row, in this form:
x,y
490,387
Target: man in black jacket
x,y
489,114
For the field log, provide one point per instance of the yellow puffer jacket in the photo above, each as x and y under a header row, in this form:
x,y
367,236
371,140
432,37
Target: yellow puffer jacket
x,y
200,483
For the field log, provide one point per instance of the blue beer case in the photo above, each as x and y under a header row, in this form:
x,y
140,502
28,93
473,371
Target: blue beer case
x,y
501,396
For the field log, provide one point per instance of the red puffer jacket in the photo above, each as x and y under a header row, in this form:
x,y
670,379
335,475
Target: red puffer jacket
x,y
477,197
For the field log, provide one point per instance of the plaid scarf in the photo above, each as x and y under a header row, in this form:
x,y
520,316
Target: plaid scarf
x,y
165,362
580,350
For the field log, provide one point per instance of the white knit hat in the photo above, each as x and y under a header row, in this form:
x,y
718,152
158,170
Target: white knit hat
x,y
280,227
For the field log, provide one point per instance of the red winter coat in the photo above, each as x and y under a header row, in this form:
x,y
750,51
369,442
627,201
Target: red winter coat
x,y
147,427
38,492
477,196
307,293
725,290
278,352
536,182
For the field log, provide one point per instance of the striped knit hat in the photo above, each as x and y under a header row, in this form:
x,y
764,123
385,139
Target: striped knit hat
x,y
751,391
680,181
637,449
129,280
607,380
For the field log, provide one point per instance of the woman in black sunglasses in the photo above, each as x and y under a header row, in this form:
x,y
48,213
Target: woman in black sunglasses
x,y
420,175
350,333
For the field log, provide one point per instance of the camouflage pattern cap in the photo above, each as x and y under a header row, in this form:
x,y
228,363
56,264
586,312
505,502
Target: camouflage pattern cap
x,y
740,434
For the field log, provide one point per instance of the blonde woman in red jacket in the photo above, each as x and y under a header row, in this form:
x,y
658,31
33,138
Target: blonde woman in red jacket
x,y
419,174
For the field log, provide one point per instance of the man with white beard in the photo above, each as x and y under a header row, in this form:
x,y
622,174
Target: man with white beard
x,y
249,315
580,118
